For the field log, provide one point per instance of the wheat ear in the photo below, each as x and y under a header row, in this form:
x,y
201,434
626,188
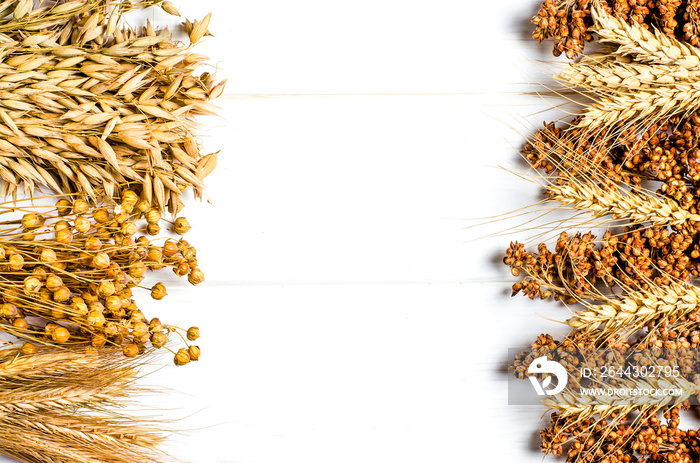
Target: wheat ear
x,y
636,309
656,102
635,206
607,72
62,406
568,404
644,45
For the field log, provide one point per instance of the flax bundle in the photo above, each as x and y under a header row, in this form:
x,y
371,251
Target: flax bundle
x,y
67,273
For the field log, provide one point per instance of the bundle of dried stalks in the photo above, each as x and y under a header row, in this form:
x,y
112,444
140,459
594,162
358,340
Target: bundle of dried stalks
x,y
90,106
67,273
62,406
639,124
645,77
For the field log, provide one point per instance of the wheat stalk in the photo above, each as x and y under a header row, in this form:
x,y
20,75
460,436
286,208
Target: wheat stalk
x,y
607,72
643,104
568,404
635,206
637,308
660,82
643,45
75,420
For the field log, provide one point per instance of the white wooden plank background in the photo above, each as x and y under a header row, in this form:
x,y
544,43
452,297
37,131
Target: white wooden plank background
x,y
349,315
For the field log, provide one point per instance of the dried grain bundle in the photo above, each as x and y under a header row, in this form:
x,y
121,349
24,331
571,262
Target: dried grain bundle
x,y
93,107
600,418
593,426
639,122
61,406
646,438
583,185
642,44
667,152
623,316
636,259
572,22
645,79
67,274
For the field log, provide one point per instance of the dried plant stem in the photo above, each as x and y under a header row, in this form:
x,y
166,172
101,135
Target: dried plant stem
x,y
67,274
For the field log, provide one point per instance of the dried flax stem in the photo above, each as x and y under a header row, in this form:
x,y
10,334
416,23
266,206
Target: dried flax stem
x,y
67,275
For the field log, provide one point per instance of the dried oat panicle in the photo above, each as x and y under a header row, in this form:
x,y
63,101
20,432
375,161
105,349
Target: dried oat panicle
x,y
91,106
